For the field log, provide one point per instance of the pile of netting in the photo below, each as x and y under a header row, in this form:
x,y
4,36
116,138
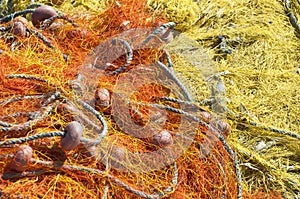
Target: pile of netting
x,y
255,44
110,100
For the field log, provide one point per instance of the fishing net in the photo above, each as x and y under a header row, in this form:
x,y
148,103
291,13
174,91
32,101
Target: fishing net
x,y
257,43
156,99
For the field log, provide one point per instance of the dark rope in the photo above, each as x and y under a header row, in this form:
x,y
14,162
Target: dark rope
x,y
129,56
16,14
157,31
33,137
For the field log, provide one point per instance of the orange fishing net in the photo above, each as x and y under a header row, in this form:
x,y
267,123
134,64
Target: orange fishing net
x,y
152,142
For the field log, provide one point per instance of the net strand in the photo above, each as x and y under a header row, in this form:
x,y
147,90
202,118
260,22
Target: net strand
x,y
92,171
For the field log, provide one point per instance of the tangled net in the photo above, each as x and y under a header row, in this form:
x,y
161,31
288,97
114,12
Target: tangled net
x,y
138,132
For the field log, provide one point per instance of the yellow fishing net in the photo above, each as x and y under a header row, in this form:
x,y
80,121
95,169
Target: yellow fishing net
x,y
237,59
263,84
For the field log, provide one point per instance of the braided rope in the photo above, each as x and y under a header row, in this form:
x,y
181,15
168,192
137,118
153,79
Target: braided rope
x,y
190,104
24,97
157,31
16,14
4,29
78,113
31,138
7,176
19,114
49,21
175,79
28,77
100,118
34,5
168,57
43,38
279,131
129,56
29,124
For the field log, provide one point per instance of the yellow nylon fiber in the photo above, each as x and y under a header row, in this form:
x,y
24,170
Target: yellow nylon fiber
x,y
263,78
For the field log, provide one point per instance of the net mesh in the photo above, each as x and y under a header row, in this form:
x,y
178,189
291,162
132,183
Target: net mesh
x,y
255,41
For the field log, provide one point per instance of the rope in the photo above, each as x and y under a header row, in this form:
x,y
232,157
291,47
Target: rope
x,y
100,118
129,55
174,78
16,14
33,137
24,97
268,128
156,32
49,21
29,124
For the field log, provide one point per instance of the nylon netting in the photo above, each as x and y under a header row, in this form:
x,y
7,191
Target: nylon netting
x,y
149,130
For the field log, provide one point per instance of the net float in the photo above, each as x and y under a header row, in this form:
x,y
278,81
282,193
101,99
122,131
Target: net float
x,y
73,133
102,96
162,139
22,20
21,158
42,13
19,29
